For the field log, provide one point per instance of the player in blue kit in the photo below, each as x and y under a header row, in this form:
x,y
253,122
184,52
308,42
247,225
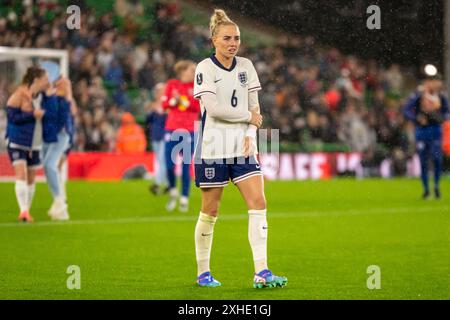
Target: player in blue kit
x,y
227,87
24,135
428,108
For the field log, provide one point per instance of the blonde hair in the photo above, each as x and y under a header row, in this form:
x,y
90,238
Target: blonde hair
x,y
182,65
219,18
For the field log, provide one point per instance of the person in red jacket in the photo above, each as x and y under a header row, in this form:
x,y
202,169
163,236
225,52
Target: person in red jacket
x,y
183,110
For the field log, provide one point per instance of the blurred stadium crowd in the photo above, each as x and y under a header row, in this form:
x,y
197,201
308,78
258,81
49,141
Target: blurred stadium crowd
x,y
319,98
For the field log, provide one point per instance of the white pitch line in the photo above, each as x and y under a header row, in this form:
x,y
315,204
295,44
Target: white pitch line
x,y
172,218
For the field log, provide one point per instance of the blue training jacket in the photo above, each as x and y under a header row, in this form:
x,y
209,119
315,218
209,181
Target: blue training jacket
x,y
57,116
20,128
155,124
433,130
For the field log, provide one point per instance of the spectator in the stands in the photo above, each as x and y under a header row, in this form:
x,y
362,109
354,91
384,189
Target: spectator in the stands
x,y
130,137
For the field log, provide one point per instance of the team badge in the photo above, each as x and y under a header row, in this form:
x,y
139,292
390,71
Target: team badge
x,y
199,78
210,173
242,77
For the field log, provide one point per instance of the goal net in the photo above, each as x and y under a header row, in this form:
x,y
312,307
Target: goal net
x,y
14,62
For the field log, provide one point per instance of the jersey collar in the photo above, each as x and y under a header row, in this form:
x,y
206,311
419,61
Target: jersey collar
x,y
217,63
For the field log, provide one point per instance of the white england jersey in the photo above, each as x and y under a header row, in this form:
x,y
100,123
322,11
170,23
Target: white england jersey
x,y
221,139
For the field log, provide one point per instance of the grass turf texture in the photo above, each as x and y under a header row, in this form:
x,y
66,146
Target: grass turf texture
x,y
322,237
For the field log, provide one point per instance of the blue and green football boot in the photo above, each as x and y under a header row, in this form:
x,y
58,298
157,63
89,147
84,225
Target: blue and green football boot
x,y
207,280
266,279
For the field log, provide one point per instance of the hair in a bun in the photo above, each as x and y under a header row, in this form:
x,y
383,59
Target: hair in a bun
x,y
219,18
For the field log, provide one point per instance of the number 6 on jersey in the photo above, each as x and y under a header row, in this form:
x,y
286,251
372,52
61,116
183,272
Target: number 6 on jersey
x,y
234,100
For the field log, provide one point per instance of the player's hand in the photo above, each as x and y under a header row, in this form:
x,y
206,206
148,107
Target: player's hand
x,y
422,120
50,91
64,88
248,148
256,119
176,95
38,113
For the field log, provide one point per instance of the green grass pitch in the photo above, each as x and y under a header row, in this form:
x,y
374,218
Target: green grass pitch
x,y
322,235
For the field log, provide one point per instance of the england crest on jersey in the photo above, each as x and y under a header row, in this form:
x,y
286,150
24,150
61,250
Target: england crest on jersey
x,y
210,173
242,77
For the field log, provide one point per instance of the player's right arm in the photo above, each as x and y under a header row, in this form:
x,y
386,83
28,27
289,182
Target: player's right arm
x,y
205,90
213,109
409,109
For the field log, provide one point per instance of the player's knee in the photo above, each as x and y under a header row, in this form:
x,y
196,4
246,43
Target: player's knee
x,y
22,176
211,210
48,167
211,207
21,172
30,179
257,203
436,156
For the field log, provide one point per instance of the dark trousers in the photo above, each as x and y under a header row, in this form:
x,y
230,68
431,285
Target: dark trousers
x,y
179,142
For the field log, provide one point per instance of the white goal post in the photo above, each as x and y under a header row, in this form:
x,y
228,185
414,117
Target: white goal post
x,y
20,54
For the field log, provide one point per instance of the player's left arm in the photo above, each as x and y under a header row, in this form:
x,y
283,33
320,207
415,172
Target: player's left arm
x,y
445,107
441,113
250,135
253,105
73,108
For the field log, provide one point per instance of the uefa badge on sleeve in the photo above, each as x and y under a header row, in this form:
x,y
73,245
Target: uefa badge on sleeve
x,y
210,173
199,78
242,78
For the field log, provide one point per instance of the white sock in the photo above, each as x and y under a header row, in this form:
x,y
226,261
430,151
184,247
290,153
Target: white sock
x,y
184,200
257,236
31,190
173,192
59,199
21,189
203,241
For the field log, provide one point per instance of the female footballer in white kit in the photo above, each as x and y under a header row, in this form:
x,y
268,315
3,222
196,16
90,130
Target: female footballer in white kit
x,y
227,87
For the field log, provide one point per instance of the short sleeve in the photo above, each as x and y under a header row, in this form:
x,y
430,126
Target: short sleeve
x,y
253,84
204,80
